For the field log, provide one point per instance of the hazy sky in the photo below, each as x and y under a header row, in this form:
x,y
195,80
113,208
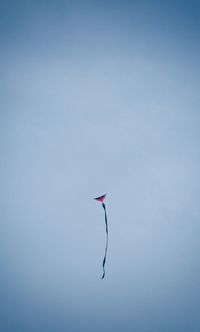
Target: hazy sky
x,y
99,96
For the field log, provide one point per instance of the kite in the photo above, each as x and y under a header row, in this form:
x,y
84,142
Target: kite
x,y
101,199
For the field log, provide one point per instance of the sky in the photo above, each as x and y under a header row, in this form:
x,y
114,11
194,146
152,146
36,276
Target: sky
x,y
99,97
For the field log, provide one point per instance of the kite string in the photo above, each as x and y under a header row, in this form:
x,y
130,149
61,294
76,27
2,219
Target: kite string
x,y
106,248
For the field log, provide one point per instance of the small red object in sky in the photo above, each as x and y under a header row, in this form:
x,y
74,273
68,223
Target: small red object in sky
x,y
100,198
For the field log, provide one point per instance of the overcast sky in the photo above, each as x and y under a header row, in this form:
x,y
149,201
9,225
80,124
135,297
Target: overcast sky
x,y
99,96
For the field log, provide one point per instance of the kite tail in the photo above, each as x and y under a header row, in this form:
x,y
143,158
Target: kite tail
x,y
106,248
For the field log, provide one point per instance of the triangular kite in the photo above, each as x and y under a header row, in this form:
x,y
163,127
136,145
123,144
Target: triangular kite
x,y
101,199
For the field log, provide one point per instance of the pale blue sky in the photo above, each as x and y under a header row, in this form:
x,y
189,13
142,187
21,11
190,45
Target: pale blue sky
x,y
100,97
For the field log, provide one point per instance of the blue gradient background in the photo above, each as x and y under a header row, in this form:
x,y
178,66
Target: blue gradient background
x,y
99,96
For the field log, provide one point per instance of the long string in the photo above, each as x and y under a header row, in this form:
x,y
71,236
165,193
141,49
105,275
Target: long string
x,y
106,248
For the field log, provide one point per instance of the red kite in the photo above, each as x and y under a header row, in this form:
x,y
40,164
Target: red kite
x,y
101,199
